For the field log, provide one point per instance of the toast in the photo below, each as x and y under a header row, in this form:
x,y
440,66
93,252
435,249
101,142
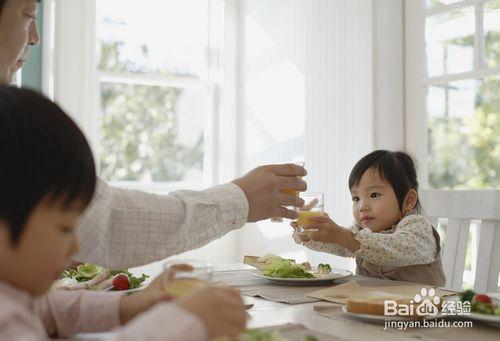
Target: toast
x,y
373,304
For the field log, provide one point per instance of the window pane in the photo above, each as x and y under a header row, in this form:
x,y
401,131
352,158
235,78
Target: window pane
x,y
463,139
492,33
151,133
152,36
450,42
432,3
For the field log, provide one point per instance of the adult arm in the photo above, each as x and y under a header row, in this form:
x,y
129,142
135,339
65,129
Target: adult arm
x,y
125,228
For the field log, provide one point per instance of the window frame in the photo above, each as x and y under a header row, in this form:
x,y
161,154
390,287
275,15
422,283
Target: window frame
x,y
74,82
416,79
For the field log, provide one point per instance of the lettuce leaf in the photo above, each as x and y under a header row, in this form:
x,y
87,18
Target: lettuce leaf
x,y
283,268
83,272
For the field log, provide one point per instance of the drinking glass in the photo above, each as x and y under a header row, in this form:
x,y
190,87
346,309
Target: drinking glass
x,y
182,277
313,207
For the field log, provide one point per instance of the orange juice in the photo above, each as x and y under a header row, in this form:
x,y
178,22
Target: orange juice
x,y
180,287
304,216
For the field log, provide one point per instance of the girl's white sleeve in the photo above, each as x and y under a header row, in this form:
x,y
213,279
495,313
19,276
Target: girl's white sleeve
x,y
325,247
412,243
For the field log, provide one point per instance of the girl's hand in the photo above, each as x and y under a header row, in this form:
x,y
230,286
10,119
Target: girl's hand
x,y
321,229
299,237
324,230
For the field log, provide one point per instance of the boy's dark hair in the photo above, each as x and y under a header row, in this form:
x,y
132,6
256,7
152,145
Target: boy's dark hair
x,y
42,154
2,3
397,168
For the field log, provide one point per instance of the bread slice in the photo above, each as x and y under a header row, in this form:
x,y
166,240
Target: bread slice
x,y
253,261
364,307
373,304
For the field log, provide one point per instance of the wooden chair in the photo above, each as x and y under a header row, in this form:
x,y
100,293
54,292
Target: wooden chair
x,y
460,207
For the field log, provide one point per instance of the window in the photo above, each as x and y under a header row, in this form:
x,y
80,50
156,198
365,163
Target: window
x,y
453,72
157,70
453,102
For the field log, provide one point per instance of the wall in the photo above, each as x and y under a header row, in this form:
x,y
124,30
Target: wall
x,y
307,94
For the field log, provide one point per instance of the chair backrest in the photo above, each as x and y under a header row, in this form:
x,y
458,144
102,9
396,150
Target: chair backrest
x,y
460,208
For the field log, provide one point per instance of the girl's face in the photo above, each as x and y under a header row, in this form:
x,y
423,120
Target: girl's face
x,y
374,202
17,32
44,248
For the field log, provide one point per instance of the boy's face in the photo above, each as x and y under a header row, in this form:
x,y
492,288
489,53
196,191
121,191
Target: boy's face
x,y
17,32
44,248
374,202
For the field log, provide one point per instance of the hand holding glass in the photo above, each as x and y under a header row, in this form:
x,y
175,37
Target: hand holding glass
x,y
182,277
289,191
313,207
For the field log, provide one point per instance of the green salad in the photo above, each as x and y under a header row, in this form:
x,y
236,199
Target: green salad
x,y
86,272
134,281
480,303
284,268
82,272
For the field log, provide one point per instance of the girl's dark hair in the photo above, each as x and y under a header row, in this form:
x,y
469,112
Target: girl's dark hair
x,y
2,3
397,168
42,154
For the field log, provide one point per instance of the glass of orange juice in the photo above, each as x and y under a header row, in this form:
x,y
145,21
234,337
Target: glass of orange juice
x,y
313,207
289,191
182,277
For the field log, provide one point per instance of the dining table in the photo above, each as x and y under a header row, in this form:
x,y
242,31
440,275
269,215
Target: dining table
x,y
322,319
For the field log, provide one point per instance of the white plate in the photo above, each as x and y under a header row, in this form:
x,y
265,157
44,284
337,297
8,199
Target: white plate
x,y
383,318
490,320
139,288
337,273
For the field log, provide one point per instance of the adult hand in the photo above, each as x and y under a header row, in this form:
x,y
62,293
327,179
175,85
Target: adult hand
x,y
263,188
221,310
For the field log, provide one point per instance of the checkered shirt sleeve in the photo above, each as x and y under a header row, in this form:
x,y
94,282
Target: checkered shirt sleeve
x,y
123,228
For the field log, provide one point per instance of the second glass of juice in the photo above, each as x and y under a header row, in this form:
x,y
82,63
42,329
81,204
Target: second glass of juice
x,y
182,277
313,207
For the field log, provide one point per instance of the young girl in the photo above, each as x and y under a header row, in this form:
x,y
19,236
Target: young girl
x,y
390,238
47,179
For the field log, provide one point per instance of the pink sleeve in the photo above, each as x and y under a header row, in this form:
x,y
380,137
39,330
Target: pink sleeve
x,y
16,324
65,313
165,321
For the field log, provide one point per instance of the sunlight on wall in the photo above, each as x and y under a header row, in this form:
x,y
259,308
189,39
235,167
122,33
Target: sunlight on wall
x,y
276,98
306,80
272,230
257,40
